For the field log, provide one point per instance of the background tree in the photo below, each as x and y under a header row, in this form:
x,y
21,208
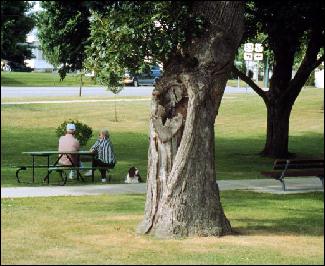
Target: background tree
x,y
106,80
290,26
69,20
63,29
15,24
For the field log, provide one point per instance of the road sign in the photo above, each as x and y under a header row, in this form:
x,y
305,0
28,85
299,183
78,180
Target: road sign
x,y
248,56
258,56
249,47
258,48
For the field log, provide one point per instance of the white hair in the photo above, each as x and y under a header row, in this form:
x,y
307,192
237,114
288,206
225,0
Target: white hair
x,y
105,132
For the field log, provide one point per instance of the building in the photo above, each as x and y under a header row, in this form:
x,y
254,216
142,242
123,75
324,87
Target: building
x,y
38,63
319,76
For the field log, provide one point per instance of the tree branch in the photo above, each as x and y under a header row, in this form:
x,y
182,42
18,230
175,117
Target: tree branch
x,y
249,82
308,64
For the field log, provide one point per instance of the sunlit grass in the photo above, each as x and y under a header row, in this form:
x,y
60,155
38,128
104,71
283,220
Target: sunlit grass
x,y
269,229
42,79
35,79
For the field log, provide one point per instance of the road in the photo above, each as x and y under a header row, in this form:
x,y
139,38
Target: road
x,y
14,92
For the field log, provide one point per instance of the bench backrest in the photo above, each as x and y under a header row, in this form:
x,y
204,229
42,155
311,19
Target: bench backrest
x,y
299,164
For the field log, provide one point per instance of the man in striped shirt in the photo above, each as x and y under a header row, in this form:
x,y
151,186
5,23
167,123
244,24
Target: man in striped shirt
x,y
105,156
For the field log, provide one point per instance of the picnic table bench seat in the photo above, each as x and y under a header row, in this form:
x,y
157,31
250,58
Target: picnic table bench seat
x,y
58,168
61,168
25,167
295,168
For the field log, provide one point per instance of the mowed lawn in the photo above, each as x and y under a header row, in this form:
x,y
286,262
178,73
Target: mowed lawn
x,y
35,79
268,229
240,133
42,79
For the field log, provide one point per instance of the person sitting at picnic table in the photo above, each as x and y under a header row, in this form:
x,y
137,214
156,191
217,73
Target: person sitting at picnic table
x,y
104,154
67,143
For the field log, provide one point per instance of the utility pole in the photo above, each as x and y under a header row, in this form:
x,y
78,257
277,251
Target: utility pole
x,y
257,65
266,72
80,84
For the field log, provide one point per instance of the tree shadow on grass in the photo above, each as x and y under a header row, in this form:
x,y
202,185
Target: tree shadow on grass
x,y
236,158
239,158
256,213
291,225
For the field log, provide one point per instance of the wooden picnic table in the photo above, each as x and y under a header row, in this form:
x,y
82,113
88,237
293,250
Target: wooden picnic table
x,y
55,166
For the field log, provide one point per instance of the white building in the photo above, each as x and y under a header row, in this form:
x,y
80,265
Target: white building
x,y
319,77
39,64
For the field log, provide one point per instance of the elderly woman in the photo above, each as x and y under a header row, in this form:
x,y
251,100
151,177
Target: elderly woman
x,y
105,156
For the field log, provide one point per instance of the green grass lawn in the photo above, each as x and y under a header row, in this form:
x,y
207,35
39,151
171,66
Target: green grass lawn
x,y
53,79
240,133
42,79
269,229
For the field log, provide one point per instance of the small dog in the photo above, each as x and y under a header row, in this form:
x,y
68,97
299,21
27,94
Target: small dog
x,y
133,176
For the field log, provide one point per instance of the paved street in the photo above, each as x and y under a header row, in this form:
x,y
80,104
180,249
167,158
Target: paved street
x,y
14,92
294,185
147,99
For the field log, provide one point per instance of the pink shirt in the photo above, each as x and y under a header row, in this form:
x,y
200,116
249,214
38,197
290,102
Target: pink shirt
x,y
68,143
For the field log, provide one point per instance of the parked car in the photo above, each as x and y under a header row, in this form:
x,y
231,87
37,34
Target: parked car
x,y
128,79
143,79
13,66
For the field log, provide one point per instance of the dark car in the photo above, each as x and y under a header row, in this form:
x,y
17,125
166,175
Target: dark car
x,y
142,78
15,67
147,78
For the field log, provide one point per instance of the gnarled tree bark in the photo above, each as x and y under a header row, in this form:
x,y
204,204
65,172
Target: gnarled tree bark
x,y
182,193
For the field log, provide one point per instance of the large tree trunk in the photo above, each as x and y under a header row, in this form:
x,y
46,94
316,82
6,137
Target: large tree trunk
x,y
283,93
278,104
182,193
277,137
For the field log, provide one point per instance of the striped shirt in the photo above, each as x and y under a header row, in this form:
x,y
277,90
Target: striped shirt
x,y
104,150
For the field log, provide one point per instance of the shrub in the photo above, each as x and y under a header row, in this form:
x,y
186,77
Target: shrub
x,y
83,131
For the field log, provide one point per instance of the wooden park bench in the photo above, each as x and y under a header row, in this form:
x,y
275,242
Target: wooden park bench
x,y
296,167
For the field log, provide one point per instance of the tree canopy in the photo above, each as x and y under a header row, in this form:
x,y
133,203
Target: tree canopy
x,y
15,25
63,30
131,35
114,35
